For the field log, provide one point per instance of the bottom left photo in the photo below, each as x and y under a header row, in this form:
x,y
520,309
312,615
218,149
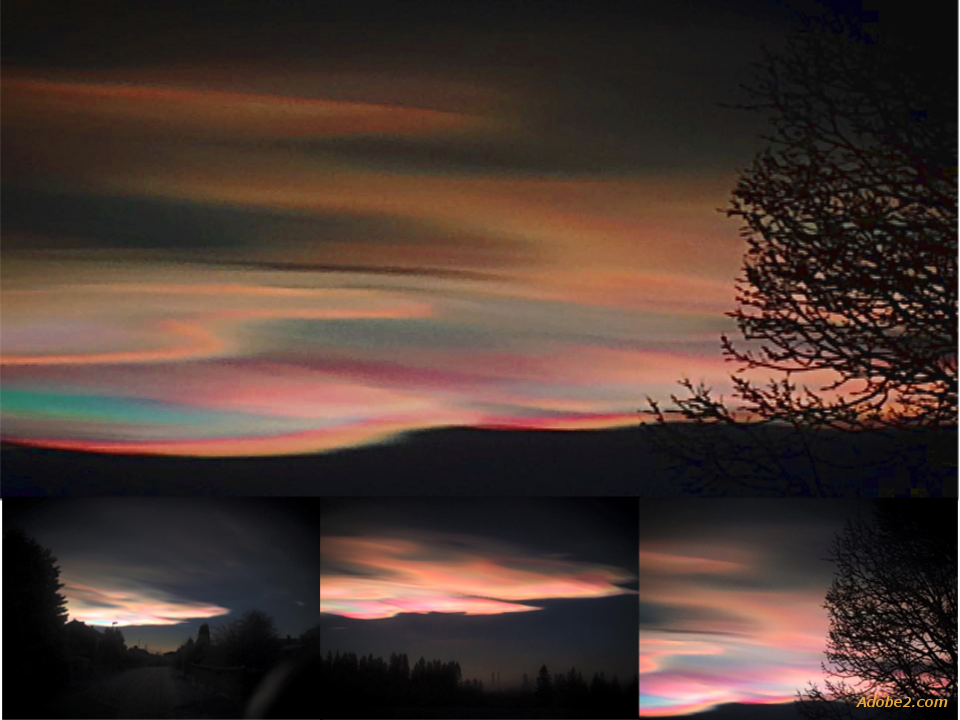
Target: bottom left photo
x,y
160,608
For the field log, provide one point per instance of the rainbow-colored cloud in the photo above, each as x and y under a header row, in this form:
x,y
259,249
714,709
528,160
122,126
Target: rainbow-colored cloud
x,y
379,577
124,604
722,637
178,280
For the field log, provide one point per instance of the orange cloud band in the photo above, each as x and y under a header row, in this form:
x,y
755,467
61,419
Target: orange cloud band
x,y
216,111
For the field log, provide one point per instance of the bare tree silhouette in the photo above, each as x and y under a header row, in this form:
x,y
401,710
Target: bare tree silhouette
x,y
250,640
892,609
849,281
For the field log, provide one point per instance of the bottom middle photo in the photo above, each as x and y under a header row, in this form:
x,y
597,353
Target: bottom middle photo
x,y
466,607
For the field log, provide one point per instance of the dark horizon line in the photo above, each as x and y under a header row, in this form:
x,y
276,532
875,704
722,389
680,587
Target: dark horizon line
x,y
490,461
13,444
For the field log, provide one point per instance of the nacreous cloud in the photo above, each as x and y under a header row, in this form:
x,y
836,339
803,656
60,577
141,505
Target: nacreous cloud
x,y
125,607
715,634
378,577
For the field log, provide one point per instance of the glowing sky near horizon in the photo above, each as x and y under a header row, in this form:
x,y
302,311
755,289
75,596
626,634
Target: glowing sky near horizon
x,y
731,604
370,578
218,271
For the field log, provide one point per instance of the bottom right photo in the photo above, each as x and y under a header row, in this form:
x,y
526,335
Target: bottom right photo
x,y
789,609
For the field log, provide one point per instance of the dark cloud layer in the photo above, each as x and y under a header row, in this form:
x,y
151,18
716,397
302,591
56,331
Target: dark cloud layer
x,y
592,528
106,221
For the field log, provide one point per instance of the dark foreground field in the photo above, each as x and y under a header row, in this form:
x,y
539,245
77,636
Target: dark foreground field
x,y
457,461
150,692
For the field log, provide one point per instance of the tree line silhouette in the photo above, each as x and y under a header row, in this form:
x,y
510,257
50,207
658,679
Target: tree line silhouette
x,y
244,649
250,641
351,684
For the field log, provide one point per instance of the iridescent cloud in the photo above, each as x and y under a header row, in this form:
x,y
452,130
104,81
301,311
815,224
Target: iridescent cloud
x,y
123,604
261,301
725,640
213,112
380,577
262,368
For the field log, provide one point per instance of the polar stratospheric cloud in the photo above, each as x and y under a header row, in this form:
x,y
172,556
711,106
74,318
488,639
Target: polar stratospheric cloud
x,y
240,298
731,603
126,606
379,577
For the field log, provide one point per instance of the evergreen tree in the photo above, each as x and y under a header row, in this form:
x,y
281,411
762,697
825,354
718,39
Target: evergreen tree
x,y
525,685
34,623
544,686
203,644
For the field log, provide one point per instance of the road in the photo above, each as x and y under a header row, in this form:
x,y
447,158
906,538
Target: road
x,y
151,692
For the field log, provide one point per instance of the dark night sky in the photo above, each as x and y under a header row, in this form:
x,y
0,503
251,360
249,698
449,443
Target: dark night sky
x,y
180,561
454,580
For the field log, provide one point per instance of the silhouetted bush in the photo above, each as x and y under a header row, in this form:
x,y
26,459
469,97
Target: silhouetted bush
x,y
83,640
113,649
203,647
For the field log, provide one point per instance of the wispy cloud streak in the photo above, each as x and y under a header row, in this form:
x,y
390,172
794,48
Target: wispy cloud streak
x,y
380,577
